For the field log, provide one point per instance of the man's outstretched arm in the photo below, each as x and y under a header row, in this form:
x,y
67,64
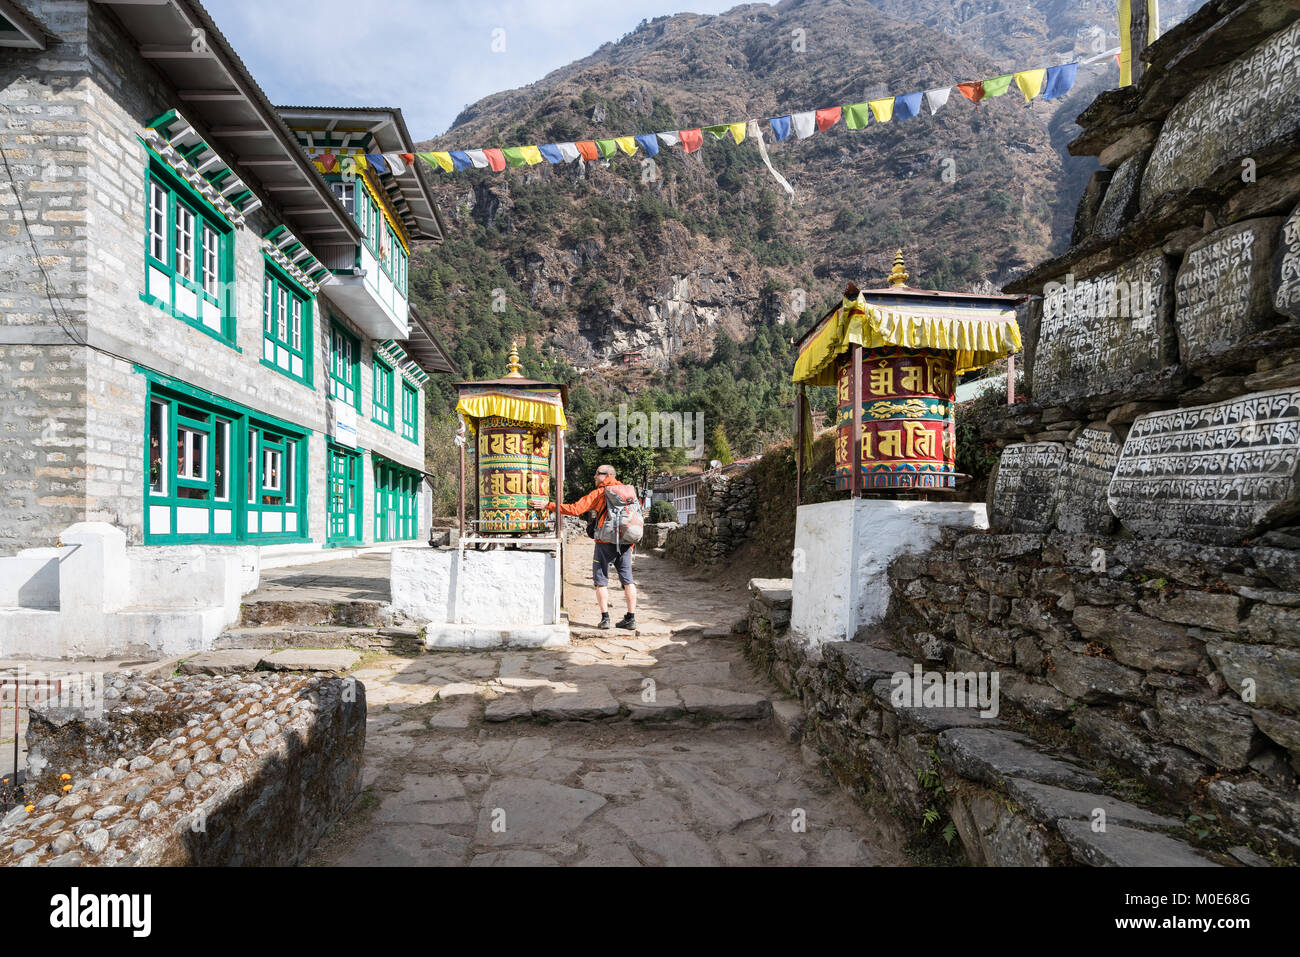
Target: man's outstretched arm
x,y
584,504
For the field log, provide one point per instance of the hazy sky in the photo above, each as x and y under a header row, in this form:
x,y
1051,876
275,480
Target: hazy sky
x,y
431,58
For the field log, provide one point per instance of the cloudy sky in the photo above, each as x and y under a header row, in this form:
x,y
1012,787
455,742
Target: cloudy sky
x,y
429,57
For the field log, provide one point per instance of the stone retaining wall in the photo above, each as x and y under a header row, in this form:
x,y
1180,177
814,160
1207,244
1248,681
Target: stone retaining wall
x,y
243,769
724,519
1004,795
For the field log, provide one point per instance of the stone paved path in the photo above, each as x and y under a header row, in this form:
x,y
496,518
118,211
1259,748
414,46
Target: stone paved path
x,y
469,761
363,578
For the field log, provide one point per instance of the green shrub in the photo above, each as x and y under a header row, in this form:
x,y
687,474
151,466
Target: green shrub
x,y
662,512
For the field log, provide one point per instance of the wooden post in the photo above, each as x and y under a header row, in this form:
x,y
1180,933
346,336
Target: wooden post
x,y
460,490
855,436
1011,380
559,479
799,401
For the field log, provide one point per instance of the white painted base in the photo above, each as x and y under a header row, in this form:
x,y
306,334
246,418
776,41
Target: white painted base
x,y
842,553
484,636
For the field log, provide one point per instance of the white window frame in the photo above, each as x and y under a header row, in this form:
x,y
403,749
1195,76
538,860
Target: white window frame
x,y
184,241
187,436
159,198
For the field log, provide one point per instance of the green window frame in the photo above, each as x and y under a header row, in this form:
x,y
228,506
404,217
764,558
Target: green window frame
x,y
381,394
196,489
189,255
345,367
286,325
410,412
397,510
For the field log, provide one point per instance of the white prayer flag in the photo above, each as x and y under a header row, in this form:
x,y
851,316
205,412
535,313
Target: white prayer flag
x,y
396,165
671,139
805,124
478,158
934,99
568,151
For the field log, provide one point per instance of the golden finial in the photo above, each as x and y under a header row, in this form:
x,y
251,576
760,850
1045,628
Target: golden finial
x,y
515,368
899,276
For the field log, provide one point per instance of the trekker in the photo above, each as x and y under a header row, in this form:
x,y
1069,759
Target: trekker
x,y
608,547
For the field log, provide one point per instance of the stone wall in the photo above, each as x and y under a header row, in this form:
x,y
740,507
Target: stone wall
x,y
724,519
244,769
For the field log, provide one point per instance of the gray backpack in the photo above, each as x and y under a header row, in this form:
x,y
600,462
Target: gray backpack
x,y
623,522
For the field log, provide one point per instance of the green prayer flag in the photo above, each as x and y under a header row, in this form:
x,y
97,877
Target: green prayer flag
x,y
607,148
718,131
514,156
857,115
998,85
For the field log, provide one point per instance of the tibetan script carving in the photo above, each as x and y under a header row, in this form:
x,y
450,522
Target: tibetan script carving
x,y
1224,292
1106,336
1286,271
1248,104
1081,504
1214,473
1024,493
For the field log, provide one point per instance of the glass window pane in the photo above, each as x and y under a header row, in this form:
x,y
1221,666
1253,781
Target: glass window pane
x,y
184,242
157,436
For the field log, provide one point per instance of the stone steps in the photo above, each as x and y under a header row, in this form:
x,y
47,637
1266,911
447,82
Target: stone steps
x,y
235,660
295,636
997,780
591,702
352,613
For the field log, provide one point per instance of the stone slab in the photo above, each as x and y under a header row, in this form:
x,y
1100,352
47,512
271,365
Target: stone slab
x,y
992,756
1081,505
1049,803
1120,846
933,718
222,662
1024,492
337,660
1286,268
585,702
666,705
1246,105
508,708
722,703
1224,293
1107,336
1214,473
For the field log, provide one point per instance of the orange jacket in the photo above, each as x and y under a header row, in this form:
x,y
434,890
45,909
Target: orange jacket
x,y
595,499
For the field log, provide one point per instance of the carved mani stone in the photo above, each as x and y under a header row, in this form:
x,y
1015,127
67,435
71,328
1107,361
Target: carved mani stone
x,y
1286,270
1081,504
1224,294
1248,104
1109,337
1024,493
1214,473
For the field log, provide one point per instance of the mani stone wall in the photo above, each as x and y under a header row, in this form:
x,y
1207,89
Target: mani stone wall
x,y
1140,587
725,517
240,769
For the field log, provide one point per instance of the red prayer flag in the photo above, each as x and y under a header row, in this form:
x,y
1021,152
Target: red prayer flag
x,y
972,91
588,150
828,118
408,158
496,159
327,161
691,139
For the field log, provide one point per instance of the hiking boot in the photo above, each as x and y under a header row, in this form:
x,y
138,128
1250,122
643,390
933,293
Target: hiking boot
x,y
604,622
628,621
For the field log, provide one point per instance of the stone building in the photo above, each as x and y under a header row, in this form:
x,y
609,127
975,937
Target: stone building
x,y
205,336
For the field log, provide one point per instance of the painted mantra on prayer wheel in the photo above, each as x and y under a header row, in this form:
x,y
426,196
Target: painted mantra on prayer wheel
x,y
908,436
514,477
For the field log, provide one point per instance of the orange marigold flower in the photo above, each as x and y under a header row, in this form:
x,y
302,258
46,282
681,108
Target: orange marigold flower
x,y
67,787
65,777
30,808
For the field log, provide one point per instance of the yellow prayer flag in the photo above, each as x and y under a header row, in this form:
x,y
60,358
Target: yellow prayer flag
x,y
737,131
1031,82
362,163
531,154
1126,35
627,144
882,110
443,160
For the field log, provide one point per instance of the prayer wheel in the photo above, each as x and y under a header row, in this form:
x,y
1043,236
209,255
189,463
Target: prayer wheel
x,y
514,476
908,434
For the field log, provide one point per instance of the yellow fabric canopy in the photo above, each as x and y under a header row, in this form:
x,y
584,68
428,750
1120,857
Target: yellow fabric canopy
x,y
978,338
511,405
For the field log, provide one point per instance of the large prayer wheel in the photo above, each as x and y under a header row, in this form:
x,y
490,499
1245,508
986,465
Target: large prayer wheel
x,y
514,477
908,435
